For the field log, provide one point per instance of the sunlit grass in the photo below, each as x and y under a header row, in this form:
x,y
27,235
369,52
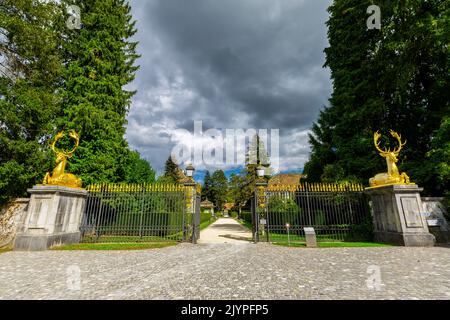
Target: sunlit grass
x,y
206,224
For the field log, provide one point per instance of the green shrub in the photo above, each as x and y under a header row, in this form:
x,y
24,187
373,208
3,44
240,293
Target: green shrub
x,y
319,218
246,216
205,216
362,231
233,214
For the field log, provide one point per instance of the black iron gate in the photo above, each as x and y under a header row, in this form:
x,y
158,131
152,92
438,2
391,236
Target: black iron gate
x,y
140,213
337,212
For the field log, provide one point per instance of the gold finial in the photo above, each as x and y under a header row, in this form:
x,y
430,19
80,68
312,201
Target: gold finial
x,y
58,176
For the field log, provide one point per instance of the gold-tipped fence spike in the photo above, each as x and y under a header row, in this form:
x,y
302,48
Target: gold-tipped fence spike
x,y
136,187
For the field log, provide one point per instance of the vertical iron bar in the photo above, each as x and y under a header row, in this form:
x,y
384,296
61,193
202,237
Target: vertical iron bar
x,y
308,204
142,193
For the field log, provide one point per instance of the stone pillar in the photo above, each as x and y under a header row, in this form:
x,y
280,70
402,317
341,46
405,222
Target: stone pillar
x,y
398,216
260,212
53,218
192,224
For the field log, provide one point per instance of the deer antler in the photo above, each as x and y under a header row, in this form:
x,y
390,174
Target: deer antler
x,y
58,136
376,138
400,144
75,136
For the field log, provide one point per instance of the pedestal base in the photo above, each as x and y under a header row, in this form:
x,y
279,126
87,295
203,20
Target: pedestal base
x,y
406,239
398,217
27,242
53,218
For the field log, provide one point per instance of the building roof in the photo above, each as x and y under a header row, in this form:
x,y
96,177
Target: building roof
x,y
228,206
206,204
286,179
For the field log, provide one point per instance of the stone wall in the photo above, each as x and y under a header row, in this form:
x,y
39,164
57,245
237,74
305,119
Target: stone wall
x,y
436,213
12,220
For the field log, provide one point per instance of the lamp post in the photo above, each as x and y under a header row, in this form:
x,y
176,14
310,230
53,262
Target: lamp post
x,y
261,207
190,171
191,226
288,226
260,172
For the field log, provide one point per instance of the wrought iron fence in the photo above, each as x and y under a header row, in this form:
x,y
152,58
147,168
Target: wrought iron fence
x,y
135,213
336,211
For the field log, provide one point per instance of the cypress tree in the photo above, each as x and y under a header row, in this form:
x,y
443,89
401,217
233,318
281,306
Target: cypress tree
x,y
100,61
219,188
206,189
171,170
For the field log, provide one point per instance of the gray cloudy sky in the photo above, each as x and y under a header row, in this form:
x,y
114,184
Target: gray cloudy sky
x,y
231,64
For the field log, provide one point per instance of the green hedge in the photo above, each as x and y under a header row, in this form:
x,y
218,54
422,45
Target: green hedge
x,y
246,216
205,216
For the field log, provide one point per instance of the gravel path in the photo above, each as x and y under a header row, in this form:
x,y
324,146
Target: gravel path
x,y
225,230
227,271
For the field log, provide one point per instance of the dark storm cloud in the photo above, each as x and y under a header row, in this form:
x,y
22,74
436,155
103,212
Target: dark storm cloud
x,y
231,64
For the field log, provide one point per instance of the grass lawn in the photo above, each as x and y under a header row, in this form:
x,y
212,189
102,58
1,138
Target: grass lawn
x,y
277,237
115,246
246,224
206,224
335,244
324,241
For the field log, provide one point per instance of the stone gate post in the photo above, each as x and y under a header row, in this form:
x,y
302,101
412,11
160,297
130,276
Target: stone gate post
x,y
398,216
53,217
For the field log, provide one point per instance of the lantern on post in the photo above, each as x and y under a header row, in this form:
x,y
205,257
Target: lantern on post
x,y
190,171
260,172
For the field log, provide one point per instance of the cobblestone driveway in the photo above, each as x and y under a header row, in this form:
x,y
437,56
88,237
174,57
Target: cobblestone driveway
x,y
227,271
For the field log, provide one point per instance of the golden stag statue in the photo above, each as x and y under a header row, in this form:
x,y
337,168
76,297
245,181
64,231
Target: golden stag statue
x,y
393,176
59,177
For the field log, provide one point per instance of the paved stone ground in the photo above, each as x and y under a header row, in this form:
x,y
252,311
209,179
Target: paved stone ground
x,y
225,230
227,271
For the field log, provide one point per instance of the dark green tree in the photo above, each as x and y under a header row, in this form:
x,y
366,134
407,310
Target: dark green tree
x,y
171,170
99,62
235,194
30,67
206,188
438,159
256,156
219,188
393,78
138,170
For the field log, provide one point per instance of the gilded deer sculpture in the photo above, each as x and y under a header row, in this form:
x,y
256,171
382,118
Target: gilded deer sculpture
x,y
393,176
59,177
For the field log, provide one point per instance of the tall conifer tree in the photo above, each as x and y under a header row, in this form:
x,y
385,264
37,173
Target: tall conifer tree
x,y
100,61
172,170
29,74
393,78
